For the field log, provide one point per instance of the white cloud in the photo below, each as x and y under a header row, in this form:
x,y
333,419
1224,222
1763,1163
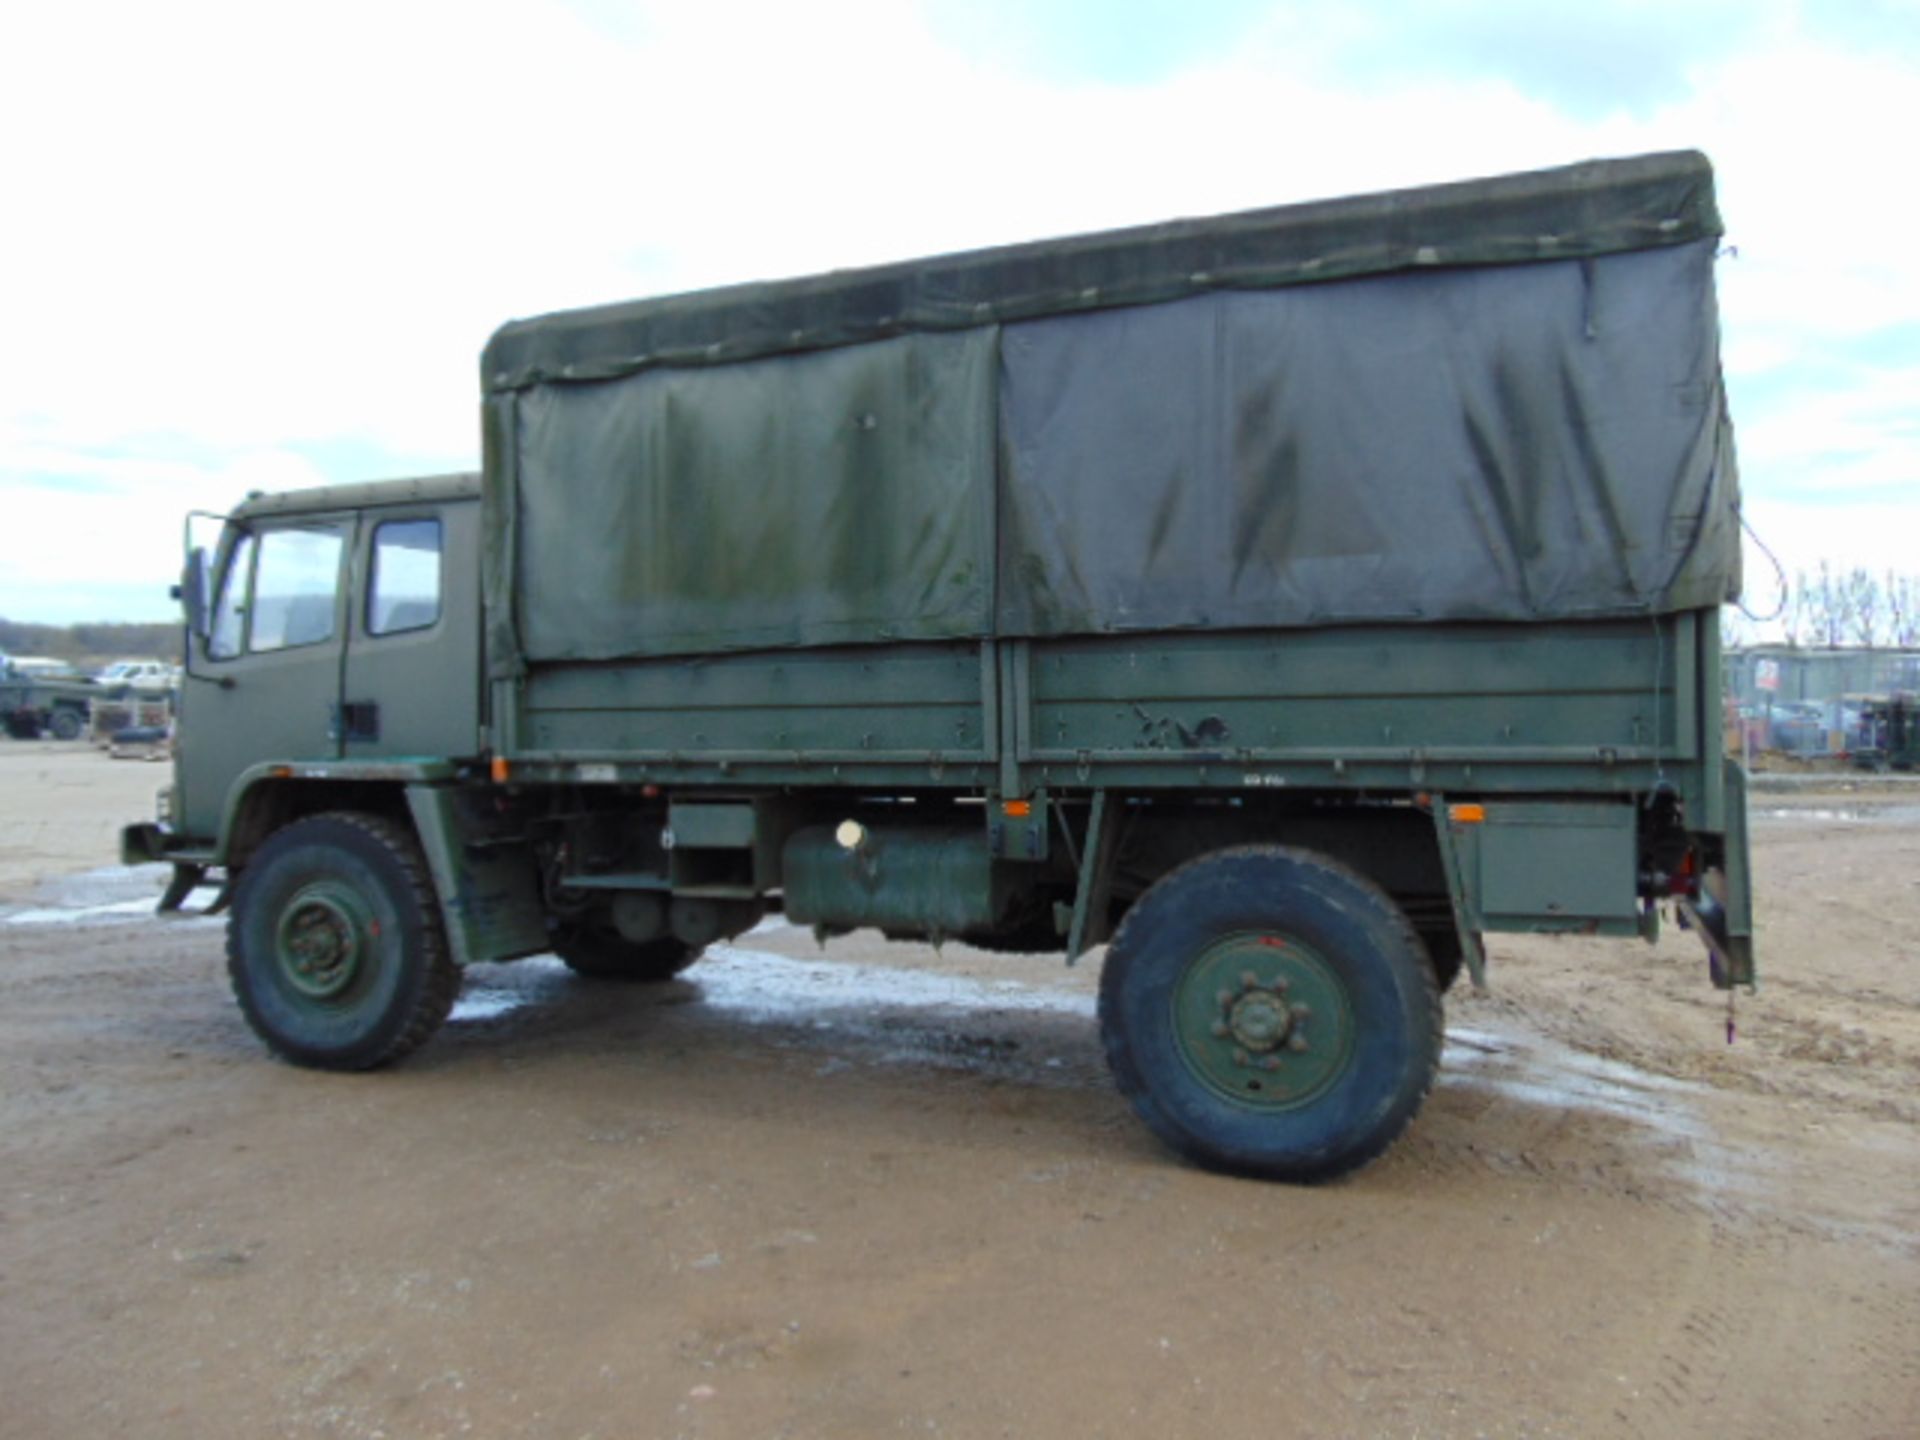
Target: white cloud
x,y
1863,437
1876,534
119,533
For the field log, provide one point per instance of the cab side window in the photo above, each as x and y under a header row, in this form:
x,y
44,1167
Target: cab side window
x,y
295,587
230,612
403,590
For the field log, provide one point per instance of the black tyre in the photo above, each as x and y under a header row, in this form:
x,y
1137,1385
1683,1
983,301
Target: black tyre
x,y
335,946
66,725
1270,1012
22,726
604,954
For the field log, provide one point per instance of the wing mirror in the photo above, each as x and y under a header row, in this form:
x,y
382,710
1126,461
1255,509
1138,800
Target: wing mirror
x,y
193,591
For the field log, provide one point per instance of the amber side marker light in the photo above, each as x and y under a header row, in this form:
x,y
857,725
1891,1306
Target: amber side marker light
x,y
501,770
1467,814
1018,809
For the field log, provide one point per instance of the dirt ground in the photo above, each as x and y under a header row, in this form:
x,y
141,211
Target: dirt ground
x,y
879,1191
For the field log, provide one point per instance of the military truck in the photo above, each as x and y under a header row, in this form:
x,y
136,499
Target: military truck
x,y
1283,600
1889,736
35,705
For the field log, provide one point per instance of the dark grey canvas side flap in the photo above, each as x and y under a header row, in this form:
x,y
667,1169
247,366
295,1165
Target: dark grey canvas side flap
x,y
1520,442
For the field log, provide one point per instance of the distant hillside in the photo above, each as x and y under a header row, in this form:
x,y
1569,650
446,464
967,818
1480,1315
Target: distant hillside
x,y
90,646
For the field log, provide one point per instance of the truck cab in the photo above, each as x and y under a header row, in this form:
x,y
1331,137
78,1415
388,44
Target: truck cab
x,y
338,627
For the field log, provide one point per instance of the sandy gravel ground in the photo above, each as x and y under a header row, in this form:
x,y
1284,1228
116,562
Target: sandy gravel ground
x,y
879,1191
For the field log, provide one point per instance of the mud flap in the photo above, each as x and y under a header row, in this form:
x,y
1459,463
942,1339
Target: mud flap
x,y
484,881
1467,920
1723,911
186,879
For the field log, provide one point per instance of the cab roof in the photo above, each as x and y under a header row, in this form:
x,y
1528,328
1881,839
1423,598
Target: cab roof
x,y
362,495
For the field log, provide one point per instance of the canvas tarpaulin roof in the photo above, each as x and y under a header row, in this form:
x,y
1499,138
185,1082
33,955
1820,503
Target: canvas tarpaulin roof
x,y
1357,410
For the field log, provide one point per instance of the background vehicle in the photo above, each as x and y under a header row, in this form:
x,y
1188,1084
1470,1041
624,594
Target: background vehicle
x,y
1889,733
1797,727
142,677
32,704
1287,598
43,667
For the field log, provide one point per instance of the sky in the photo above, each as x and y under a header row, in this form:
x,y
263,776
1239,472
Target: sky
x,y
252,246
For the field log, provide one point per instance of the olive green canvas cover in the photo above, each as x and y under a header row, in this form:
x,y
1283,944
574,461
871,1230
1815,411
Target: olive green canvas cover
x,y
1492,400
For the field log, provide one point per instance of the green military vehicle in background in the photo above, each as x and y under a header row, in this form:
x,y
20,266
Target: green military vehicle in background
x,y
1889,733
1285,600
33,705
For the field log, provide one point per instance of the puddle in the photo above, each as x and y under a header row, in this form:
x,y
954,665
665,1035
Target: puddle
x,y
1842,815
487,1002
112,895
1539,1072
758,986
852,1015
903,1017
1545,1074
83,915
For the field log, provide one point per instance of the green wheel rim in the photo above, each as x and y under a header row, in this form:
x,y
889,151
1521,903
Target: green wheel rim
x,y
324,943
1263,1021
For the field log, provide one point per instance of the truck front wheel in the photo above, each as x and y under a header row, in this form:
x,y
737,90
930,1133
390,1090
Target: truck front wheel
x,y
67,725
1268,1011
335,946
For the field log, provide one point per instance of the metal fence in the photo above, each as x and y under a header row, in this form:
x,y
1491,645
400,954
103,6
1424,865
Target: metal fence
x,y
1807,701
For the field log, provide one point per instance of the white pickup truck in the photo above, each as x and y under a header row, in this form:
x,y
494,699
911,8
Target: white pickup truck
x,y
143,677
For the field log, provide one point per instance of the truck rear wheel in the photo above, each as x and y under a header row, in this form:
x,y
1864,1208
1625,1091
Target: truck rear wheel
x,y
66,725
607,955
1268,1011
335,947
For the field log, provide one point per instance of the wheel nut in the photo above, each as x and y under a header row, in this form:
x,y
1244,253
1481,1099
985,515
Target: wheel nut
x,y
1221,1029
1298,1043
1249,980
1223,998
1301,1012
1239,1057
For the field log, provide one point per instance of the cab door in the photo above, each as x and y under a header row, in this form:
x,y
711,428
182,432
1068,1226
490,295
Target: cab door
x,y
265,679
412,677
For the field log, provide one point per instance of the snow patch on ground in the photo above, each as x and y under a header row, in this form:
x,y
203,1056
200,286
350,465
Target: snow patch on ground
x,y
111,895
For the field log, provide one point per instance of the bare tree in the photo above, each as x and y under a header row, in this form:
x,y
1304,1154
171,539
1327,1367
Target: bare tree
x,y
1865,605
1736,632
1817,604
1903,610
1796,611
1831,608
